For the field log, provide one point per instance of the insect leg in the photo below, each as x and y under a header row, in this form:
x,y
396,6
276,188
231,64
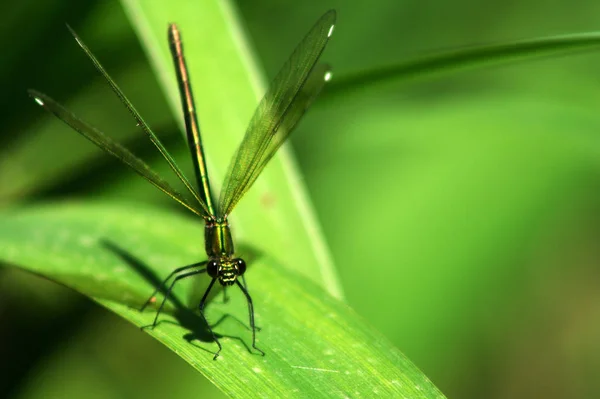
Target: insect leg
x,y
225,296
164,283
182,276
201,306
251,315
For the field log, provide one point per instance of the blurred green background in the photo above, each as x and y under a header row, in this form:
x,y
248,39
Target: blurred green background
x,y
463,212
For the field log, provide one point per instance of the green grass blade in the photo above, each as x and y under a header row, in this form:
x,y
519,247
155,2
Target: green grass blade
x,y
316,346
464,59
275,215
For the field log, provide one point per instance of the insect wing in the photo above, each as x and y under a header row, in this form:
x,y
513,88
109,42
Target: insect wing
x,y
269,126
112,147
140,121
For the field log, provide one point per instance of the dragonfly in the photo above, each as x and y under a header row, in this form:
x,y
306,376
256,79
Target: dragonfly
x,y
290,94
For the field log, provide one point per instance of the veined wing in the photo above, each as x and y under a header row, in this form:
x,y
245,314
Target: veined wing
x,y
286,100
305,97
112,147
140,121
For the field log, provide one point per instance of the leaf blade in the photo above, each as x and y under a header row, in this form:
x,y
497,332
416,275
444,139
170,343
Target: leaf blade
x,y
315,344
276,215
463,59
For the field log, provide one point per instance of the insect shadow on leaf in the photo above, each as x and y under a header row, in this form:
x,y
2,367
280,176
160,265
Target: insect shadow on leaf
x,y
185,317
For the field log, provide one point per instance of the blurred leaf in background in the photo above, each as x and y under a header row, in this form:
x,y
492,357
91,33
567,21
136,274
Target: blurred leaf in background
x,y
479,183
461,212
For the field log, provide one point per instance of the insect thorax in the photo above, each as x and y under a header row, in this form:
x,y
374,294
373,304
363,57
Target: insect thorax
x,y
217,240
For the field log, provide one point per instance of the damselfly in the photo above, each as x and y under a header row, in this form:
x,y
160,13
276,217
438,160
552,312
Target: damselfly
x,y
291,93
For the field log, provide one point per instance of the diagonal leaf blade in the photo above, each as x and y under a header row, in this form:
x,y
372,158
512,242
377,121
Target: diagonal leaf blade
x,y
316,346
276,214
464,59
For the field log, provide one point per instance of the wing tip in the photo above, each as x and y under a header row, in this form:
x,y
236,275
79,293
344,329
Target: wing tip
x,y
330,16
36,96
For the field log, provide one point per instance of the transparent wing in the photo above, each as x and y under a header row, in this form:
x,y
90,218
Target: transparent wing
x,y
140,121
305,97
286,100
112,147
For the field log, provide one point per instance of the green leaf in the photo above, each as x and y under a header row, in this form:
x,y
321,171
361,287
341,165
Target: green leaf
x,y
276,214
464,59
316,346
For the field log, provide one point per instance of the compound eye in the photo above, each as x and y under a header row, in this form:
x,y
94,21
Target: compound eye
x,y
212,268
241,266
